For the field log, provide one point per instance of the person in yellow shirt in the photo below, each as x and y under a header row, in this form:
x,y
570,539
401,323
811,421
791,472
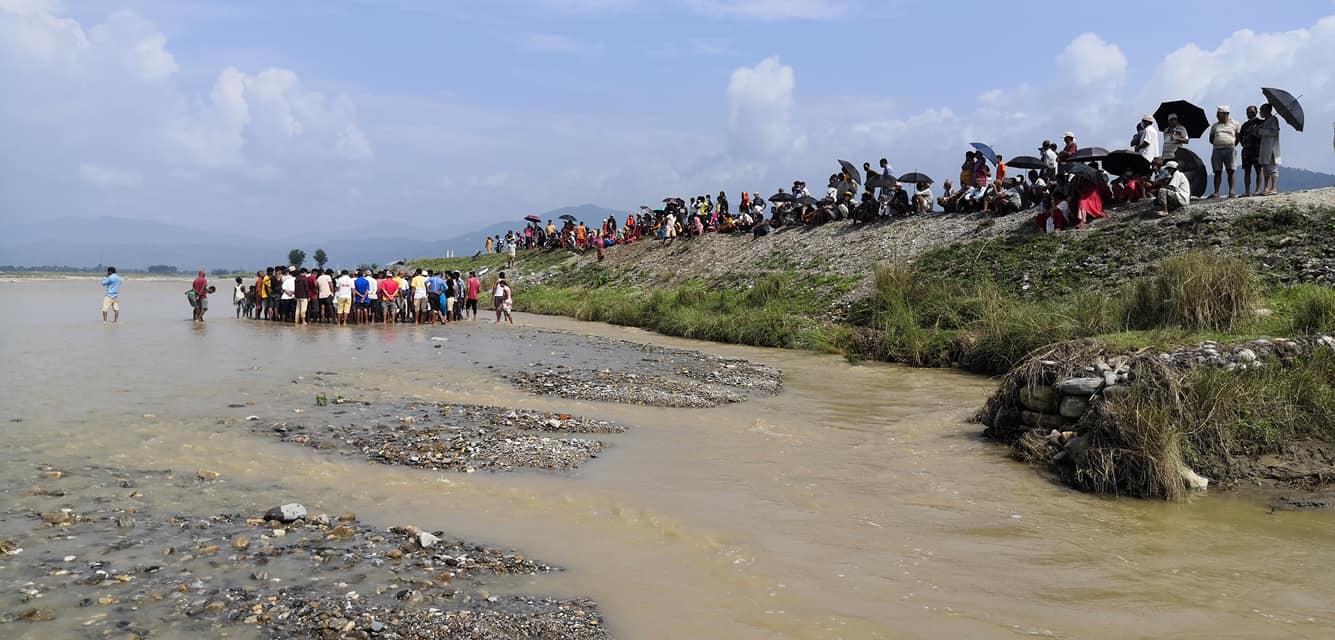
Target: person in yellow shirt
x,y
489,244
420,305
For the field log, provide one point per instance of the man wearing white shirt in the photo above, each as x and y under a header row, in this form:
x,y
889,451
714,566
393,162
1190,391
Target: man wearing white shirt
x,y
1174,195
1146,140
343,297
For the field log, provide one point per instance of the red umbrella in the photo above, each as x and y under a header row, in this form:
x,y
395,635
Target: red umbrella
x,y
533,218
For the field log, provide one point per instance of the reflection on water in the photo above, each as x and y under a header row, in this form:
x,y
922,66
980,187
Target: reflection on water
x,y
856,504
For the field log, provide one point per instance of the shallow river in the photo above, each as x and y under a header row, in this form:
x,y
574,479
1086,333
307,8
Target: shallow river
x,y
858,503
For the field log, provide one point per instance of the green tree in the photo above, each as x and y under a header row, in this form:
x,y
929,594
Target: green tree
x,y
321,258
295,257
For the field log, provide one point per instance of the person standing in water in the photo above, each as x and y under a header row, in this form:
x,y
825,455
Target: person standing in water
x,y
112,300
201,288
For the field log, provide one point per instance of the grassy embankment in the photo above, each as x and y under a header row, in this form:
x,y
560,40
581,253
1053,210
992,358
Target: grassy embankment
x,y
979,306
985,306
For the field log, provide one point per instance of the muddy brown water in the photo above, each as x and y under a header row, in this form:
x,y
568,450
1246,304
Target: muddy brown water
x,y
857,503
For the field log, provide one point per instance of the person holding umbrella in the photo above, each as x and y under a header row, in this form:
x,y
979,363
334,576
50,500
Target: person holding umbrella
x,y
1224,139
1176,193
1070,148
1268,160
1174,136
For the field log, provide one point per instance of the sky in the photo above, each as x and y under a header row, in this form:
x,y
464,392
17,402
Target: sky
x,y
438,117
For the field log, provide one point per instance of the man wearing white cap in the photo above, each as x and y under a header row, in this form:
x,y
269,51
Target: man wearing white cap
x,y
1146,140
1224,137
1174,136
1174,195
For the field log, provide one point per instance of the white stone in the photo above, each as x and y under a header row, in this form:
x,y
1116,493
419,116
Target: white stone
x,y
1246,355
426,540
1195,481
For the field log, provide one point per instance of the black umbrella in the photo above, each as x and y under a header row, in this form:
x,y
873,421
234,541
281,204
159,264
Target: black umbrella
x,y
851,171
666,200
846,187
807,201
1188,115
1082,170
1087,154
781,197
1119,162
568,218
1025,162
1285,105
881,181
915,178
1190,163
533,218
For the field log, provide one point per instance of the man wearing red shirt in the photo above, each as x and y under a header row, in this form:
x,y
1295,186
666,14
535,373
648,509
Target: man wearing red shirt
x,y
389,292
201,288
471,289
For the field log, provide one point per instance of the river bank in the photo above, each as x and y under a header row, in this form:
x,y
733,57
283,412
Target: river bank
x,y
975,294
857,502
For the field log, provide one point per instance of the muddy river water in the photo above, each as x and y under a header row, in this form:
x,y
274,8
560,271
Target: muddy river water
x,y
856,503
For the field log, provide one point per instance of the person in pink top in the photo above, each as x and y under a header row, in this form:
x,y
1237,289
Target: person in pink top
x,y
471,290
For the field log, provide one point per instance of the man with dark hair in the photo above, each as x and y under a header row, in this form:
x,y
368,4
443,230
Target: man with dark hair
x,y
472,288
200,287
1249,136
302,294
111,301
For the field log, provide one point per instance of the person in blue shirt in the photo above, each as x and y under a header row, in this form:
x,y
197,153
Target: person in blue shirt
x,y
435,290
361,297
112,300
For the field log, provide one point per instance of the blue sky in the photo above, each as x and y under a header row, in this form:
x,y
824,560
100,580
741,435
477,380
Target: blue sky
x,y
448,115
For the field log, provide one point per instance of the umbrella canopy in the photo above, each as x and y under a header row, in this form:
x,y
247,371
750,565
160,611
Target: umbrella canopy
x,y
807,201
533,218
781,197
915,178
1119,162
1088,153
1025,162
1285,105
667,200
851,171
1188,115
1082,170
877,180
568,218
986,151
1190,163
846,187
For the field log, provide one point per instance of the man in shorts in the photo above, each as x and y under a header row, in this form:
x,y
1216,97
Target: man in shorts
x,y
111,301
343,296
1224,138
201,288
389,293
421,303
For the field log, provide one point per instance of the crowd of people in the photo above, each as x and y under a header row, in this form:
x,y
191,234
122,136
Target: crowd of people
x,y
1065,185
300,296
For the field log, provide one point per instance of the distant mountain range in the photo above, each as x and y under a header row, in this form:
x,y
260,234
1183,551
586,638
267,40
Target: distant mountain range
x,y
1295,179
137,244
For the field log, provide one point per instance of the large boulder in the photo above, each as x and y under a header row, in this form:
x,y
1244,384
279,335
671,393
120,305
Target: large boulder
x,y
1041,399
1080,386
1073,407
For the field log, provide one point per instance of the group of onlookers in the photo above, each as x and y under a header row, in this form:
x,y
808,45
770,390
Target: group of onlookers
x,y
298,295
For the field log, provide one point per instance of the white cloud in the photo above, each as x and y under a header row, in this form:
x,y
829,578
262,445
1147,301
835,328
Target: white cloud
x,y
552,43
1090,62
771,9
100,176
760,105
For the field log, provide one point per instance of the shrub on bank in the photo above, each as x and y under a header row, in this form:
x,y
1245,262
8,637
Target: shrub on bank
x,y
1197,290
1313,310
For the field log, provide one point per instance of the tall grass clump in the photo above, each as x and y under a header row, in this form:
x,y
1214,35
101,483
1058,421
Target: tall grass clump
x,y
1313,310
1198,290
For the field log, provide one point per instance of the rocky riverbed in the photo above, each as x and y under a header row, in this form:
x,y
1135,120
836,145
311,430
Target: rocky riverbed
x,y
446,437
659,376
98,552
